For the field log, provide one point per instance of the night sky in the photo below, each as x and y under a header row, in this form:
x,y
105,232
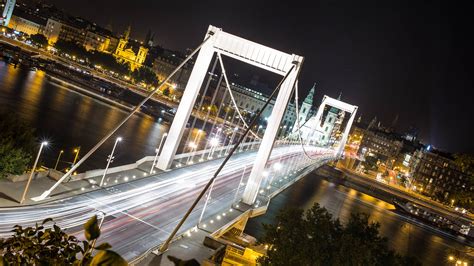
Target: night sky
x,y
387,57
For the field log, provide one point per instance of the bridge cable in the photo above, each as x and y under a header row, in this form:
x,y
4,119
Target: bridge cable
x,y
298,129
232,96
119,125
165,245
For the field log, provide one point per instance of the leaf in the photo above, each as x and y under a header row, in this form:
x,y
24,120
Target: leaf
x,y
47,220
91,229
108,257
103,246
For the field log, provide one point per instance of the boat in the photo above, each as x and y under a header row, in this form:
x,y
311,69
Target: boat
x,y
432,218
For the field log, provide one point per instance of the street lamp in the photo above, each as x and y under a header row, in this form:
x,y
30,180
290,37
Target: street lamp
x,y
109,160
214,143
76,151
158,151
44,143
193,146
57,161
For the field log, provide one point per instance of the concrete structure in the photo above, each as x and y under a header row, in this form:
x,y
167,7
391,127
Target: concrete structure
x,y
249,52
7,12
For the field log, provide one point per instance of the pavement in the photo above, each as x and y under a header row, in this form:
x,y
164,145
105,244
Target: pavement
x,y
11,192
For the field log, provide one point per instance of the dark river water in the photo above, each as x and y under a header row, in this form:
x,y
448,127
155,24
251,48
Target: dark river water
x,y
68,119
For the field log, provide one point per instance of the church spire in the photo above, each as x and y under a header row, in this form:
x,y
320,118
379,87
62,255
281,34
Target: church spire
x,y
310,97
126,34
340,96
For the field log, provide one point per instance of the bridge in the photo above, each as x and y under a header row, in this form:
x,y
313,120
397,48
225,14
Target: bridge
x,y
211,175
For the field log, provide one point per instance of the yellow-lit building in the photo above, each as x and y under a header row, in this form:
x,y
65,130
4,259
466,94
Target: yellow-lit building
x,y
130,52
27,22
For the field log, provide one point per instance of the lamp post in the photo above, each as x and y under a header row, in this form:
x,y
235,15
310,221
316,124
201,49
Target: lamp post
x,y
57,161
109,160
76,151
193,146
44,143
158,151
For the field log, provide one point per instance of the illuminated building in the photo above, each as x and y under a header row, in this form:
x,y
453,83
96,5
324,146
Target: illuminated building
x,y
24,20
306,109
131,52
251,101
435,173
165,62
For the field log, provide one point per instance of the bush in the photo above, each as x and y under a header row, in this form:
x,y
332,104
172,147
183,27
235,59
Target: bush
x,y
315,238
51,246
17,144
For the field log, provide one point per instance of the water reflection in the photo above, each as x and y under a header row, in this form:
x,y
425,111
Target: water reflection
x,y
69,119
341,201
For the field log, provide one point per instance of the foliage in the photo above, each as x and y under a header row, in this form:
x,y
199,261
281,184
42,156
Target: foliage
x,y
17,144
370,163
39,39
49,245
109,62
71,48
465,162
146,75
166,92
315,238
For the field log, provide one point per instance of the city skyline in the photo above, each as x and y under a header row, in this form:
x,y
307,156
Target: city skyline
x,y
390,59
172,149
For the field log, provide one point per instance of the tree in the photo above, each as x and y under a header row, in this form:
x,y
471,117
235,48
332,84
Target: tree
x,y
49,245
72,48
39,39
315,238
166,92
146,75
109,62
17,144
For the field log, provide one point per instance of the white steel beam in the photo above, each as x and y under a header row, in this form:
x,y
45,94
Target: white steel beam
x,y
255,179
187,101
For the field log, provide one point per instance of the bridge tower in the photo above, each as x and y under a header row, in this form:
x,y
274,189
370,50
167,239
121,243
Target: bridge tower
x,y
218,41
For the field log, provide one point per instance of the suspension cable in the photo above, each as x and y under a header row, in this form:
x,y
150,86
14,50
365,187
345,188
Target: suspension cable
x,y
232,96
165,245
119,125
298,127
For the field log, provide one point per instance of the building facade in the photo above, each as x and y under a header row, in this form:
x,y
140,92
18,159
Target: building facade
x,y
385,147
27,22
251,101
436,173
130,52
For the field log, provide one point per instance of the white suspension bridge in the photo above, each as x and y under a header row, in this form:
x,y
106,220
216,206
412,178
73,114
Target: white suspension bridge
x,y
228,167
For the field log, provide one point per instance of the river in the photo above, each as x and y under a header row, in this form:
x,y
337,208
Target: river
x,y
67,119
403,236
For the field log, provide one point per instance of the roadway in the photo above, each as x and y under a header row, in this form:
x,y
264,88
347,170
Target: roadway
x,y
141,214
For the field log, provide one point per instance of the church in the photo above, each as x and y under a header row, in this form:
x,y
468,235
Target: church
x,y
130,51
313,131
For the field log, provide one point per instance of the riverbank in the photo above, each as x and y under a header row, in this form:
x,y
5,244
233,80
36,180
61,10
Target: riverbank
x,y
341,198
